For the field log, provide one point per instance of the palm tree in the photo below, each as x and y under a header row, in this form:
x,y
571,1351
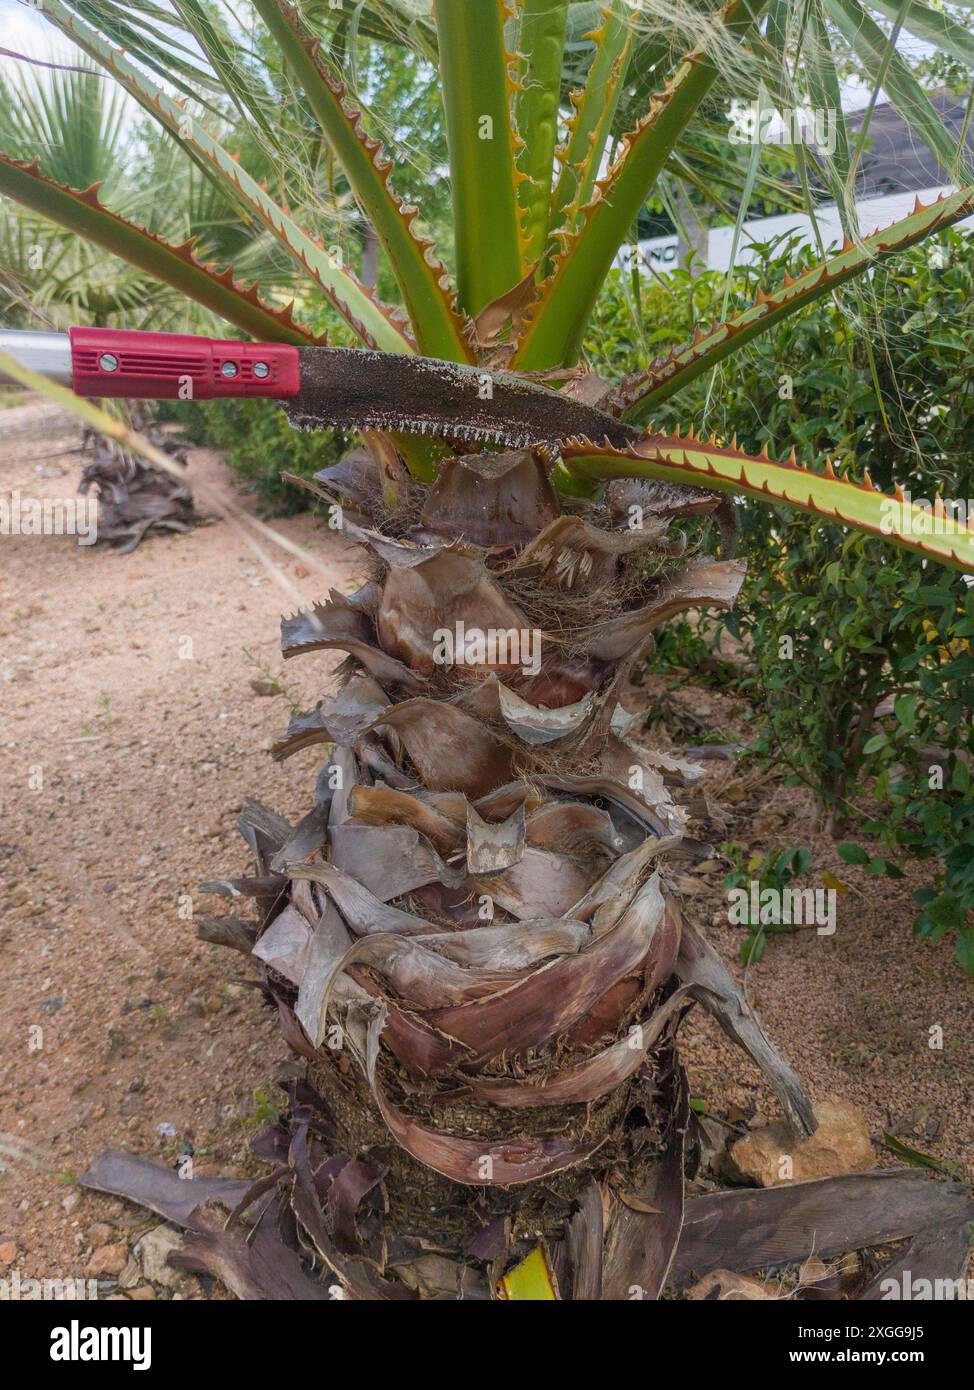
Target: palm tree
x,y
472,937
75,122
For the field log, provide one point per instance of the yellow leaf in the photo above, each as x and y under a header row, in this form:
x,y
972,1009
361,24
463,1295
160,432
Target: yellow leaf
x,y
529,1281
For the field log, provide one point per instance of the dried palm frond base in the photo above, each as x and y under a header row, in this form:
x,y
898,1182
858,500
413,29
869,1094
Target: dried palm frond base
x,y
135,499
472,944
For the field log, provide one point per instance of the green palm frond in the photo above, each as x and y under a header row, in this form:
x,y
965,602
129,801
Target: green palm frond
x,y
636,95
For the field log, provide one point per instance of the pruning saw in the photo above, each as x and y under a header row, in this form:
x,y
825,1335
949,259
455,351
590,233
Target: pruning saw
x,y
318,387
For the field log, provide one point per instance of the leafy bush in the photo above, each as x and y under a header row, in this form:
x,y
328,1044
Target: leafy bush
x,y
775,870
259,444
860,661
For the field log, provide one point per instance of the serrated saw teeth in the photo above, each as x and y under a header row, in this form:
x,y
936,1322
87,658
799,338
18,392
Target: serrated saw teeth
x,y
355,389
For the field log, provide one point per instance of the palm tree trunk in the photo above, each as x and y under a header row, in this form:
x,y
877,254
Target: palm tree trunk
x,y
495,966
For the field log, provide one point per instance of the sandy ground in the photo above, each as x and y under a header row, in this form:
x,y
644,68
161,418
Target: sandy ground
x,y
855,1012
147,745
119,1028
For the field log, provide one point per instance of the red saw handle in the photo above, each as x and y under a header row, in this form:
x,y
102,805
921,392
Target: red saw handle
x,y
179,366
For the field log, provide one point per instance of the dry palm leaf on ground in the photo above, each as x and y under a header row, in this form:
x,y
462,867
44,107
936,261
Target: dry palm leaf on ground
x,y
135,499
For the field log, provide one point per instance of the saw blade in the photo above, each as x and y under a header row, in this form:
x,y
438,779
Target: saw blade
x,y
353,388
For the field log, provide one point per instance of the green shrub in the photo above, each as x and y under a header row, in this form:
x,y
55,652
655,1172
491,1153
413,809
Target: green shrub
x,y
860,665
774,870
259,445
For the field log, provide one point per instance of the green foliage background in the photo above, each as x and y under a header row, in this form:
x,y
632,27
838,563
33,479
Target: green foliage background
x,y
878,691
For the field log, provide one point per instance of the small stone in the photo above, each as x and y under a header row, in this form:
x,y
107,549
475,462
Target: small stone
x,y
771,1156
99,1234
262,687
70,1201
724,1286
131,1274
713,1144
144,1293
8,1253
107,1261
152,1250
301,571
